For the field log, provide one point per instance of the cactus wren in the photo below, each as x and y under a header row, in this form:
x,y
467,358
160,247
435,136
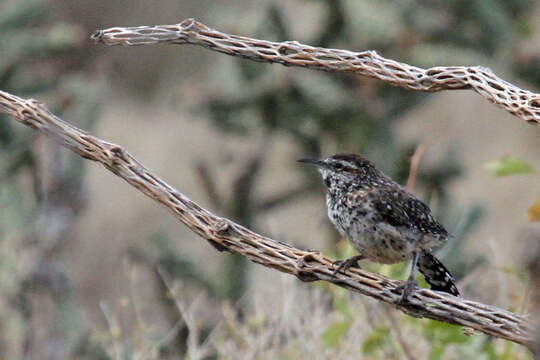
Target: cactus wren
x,y
383,222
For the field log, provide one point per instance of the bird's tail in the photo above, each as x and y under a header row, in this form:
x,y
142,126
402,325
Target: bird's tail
x,y
436,275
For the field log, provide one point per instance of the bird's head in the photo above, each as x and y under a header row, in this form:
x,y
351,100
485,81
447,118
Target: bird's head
x,y
346,170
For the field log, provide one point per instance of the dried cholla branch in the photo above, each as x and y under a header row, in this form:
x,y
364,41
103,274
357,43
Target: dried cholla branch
x,y
519,102
227,235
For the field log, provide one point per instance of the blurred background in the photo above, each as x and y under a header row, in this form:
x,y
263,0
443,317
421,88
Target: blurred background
x,y
92,269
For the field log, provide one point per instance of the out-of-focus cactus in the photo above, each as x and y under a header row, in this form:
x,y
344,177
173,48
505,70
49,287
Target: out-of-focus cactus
x,y
47,62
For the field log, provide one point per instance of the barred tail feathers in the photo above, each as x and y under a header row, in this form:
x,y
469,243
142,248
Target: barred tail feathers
x,y
436,274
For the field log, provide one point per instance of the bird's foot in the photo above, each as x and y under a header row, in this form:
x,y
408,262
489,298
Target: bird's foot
x,y
347,263
407,289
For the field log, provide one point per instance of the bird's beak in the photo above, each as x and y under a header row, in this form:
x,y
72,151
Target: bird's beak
x,y
315,162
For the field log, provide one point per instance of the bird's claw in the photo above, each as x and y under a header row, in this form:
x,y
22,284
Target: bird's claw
x,y
346,264
407,289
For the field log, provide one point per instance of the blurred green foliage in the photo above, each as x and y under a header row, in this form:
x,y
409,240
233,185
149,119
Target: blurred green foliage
x,y
509,165
333,334
513,165
336,331
376,340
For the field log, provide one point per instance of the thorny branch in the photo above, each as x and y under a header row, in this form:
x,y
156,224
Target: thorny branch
x,y
224,234
521,103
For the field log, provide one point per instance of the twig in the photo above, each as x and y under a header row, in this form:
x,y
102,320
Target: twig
x,y
194,350
114,329
521,103
395,326
224,234
413,169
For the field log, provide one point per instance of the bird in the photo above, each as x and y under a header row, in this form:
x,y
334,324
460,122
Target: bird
x,y
383,222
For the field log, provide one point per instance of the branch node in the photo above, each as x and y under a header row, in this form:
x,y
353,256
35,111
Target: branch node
x,y
304,262
188,24
96,35
118,154
222,227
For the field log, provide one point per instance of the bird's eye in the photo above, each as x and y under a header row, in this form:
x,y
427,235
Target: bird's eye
x,y
338,166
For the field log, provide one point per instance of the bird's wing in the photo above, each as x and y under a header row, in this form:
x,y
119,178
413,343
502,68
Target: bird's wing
x,y
401,209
